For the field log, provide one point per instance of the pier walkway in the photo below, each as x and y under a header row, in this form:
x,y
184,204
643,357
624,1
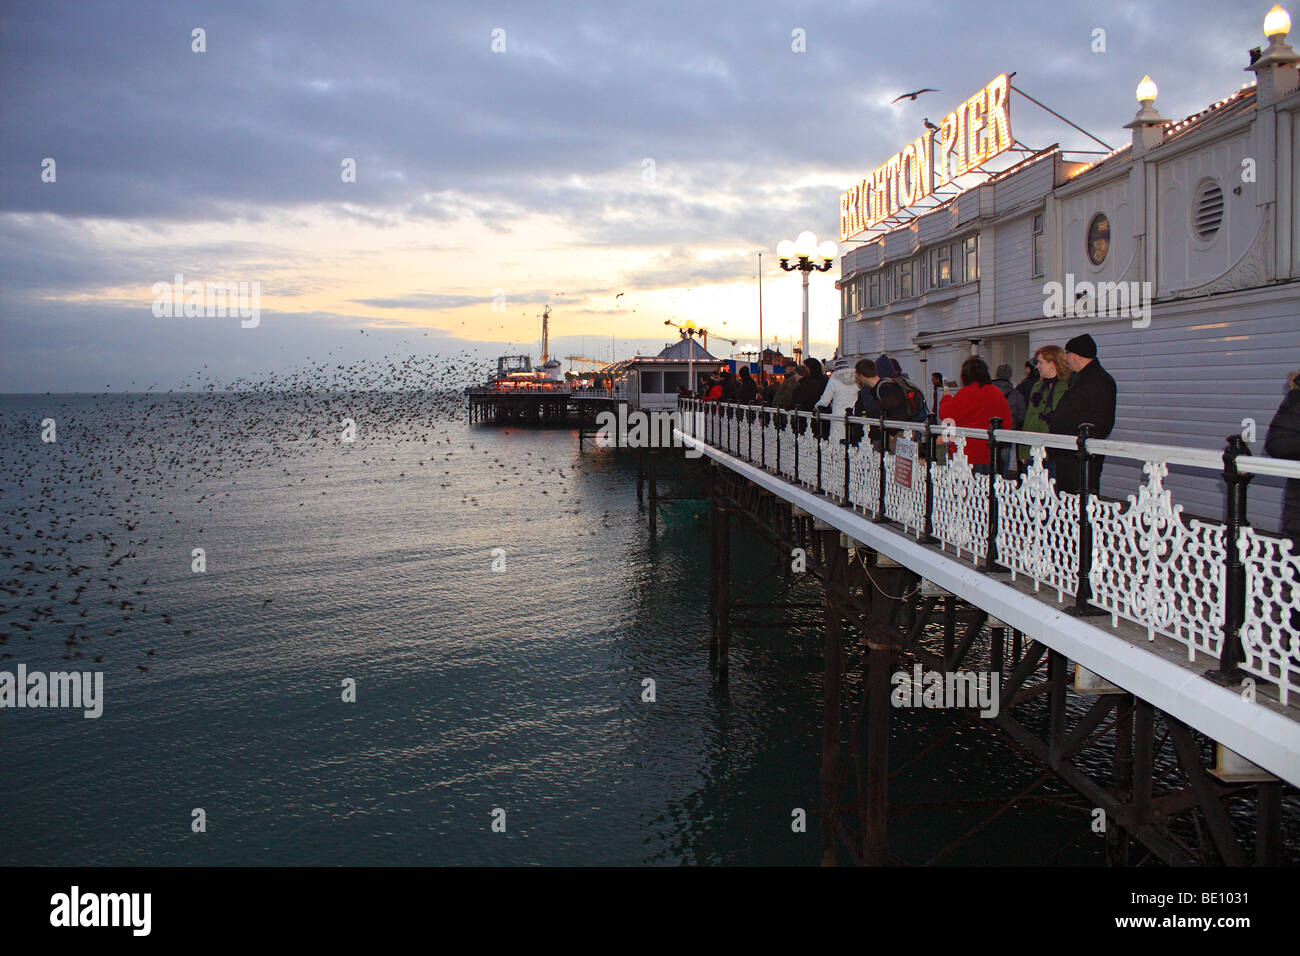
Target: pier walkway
x,y
1194,617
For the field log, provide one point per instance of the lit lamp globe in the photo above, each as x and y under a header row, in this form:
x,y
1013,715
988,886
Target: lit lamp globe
x,y
805,247
1147,91
827,251
1277,23
785,249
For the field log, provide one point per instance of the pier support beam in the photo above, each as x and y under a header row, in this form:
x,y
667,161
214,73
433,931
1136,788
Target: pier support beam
x,y
832,689
719,581
724,594
883,645
654,493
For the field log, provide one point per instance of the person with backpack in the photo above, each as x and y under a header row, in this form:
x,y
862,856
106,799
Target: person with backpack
x,y
890,391
977,403
864,373
909,401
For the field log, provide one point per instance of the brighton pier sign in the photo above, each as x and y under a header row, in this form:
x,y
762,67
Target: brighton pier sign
x,y
972,134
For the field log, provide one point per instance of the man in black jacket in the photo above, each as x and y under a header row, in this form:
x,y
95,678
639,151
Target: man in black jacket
x,y
1090,398
809,390
1283,441
1026,386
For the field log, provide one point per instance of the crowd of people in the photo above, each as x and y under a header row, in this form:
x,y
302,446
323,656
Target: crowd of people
x,y
1063,388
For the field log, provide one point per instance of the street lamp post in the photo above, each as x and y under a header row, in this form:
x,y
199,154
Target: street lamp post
x,y
805,250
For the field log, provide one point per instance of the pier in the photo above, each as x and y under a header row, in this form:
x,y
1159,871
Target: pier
x,y
1169,639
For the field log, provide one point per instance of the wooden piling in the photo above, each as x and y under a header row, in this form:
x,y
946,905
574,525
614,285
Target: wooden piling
x,y
832,690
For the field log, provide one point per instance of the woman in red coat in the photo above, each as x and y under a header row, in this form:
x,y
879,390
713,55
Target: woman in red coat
x,y
978,401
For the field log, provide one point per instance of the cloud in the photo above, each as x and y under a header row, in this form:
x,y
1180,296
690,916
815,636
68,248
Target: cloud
x,y
166,157
438,301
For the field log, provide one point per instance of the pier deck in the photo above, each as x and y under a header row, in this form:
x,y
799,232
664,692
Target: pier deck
x,y
1182,631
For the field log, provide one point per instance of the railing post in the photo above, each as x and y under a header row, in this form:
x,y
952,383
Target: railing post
x,y
781,420
927,534
762,438
796,431
1234,584
1084,591
845,442
750,417
817,437
991,543
880,504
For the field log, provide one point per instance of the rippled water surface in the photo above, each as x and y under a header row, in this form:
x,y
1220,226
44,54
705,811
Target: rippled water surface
x,y
371,561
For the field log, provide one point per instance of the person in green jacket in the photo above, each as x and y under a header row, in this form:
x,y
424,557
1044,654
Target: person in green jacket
x,y
784,397
1053,380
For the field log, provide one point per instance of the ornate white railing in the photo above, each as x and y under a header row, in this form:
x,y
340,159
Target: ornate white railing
x,y
1221,589
1270,633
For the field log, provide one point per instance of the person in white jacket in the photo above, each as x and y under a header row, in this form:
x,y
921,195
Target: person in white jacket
x,y
841,393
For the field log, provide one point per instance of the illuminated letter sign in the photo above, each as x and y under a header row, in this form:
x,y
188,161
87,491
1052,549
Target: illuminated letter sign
x,y
972,134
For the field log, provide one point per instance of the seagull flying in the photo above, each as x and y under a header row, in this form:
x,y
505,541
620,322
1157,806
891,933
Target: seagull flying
x,y
914,95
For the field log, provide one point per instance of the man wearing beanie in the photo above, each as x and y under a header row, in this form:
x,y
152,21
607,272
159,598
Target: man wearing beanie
x,y
1090,398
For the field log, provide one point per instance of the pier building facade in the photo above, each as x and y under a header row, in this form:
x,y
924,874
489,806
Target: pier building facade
x,y
1179,252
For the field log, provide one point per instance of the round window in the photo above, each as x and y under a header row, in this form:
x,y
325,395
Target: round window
x,y
1098,239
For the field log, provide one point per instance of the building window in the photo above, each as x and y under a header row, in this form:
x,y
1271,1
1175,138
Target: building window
x,y
970,252
1098,239
851,294
1036,252
905,279
875,290
942,270
922,274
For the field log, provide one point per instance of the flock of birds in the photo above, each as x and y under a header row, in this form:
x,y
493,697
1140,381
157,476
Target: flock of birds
x,y
77,514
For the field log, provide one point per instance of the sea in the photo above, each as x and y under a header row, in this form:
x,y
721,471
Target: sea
x,y
342,628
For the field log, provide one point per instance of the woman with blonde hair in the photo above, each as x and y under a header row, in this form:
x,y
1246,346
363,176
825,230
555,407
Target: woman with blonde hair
x,y
1053,380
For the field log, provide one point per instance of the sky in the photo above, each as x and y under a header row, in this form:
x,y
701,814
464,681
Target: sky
x,y
623,163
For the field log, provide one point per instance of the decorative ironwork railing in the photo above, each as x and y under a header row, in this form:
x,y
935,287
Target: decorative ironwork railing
x,y
1220,589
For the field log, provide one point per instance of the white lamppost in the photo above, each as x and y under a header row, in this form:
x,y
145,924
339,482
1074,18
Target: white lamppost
x,y
805,250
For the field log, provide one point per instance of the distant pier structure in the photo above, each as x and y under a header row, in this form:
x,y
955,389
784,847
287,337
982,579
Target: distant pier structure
x,y
520,407
542,407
